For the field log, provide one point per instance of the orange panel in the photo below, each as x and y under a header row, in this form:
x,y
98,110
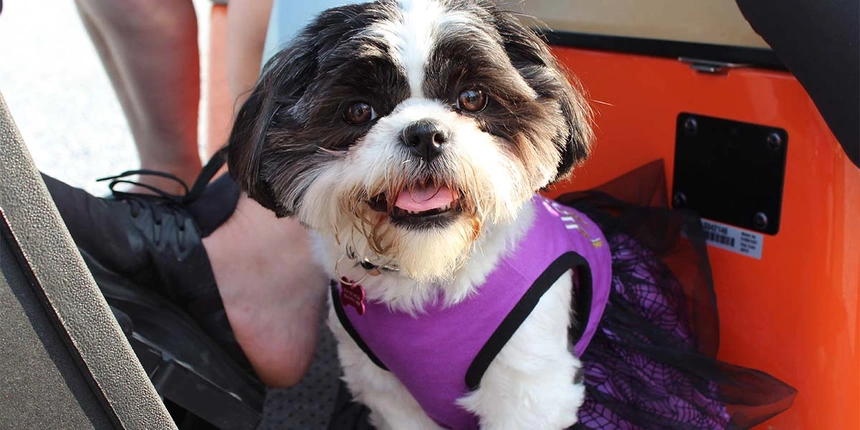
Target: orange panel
x,y
794,313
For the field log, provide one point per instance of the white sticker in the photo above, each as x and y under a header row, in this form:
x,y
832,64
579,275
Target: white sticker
x,y
733,239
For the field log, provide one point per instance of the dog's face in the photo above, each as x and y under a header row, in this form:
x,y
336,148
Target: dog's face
x,y
402,129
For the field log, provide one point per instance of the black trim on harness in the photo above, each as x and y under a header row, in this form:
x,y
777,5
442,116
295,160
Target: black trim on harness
x,y
344,321
524,307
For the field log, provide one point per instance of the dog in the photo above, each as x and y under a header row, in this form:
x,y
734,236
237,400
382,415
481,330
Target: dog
x,y
412,138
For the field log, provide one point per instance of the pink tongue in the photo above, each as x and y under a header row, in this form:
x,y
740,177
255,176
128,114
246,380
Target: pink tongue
x,y
424,199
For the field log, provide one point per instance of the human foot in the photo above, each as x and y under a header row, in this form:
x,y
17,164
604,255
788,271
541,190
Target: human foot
x,y
272,290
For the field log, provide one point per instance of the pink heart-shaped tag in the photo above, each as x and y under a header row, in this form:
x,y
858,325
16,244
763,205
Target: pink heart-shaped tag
x,y
352,294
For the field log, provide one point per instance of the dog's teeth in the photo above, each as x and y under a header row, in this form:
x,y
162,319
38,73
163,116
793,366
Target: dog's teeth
x,y
418,213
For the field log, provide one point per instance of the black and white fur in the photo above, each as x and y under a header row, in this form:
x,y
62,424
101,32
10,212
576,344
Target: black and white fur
x,y
296,151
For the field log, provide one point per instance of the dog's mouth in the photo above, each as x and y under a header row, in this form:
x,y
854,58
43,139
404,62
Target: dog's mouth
x,y
420,206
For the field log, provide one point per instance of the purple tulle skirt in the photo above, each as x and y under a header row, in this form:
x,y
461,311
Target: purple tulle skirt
x,y
651,364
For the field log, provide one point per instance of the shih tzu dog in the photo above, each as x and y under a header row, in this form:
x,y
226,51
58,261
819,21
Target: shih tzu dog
x,y
412,138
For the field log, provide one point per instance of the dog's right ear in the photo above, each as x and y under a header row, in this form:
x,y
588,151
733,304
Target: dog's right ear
x,y
282,82
258,151
245,147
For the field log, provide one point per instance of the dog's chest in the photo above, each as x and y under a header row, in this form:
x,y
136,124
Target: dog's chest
x,y
441,354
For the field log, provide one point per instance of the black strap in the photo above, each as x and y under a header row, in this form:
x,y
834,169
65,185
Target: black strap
x,y
344,321
524,307
219,158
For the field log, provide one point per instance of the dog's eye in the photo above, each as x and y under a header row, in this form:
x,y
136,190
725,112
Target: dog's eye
x,y
472,101
359,113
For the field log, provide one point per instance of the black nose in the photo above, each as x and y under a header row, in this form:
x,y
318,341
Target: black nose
x,y
425,139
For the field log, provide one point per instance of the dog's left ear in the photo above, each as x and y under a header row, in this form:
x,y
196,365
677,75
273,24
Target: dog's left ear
x,y
531,56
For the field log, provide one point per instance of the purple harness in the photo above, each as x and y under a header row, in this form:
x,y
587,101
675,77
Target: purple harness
x,y
441,355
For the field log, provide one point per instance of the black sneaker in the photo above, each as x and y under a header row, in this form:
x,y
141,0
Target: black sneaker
x,y
155,240
146,255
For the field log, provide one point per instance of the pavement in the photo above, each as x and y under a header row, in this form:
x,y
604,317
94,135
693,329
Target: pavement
x,y
60,96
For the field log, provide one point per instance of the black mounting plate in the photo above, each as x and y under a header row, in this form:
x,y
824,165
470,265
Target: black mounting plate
x,y
729,171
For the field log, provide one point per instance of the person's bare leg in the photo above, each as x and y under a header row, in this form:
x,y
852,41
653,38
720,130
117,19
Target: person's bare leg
x,y
271,288
150,52
245,45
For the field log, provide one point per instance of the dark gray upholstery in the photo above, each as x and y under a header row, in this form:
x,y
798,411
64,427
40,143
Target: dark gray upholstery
x,y
65,363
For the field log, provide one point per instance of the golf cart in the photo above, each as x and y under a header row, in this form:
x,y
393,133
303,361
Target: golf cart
x,y
757,131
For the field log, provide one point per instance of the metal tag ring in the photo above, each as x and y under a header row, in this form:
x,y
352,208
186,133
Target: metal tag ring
x,y
341,277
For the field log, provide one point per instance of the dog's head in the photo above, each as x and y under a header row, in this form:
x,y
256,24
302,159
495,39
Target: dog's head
x,y
402,128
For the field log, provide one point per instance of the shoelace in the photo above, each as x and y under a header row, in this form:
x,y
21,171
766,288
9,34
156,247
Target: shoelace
x,y
190,195
161,202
